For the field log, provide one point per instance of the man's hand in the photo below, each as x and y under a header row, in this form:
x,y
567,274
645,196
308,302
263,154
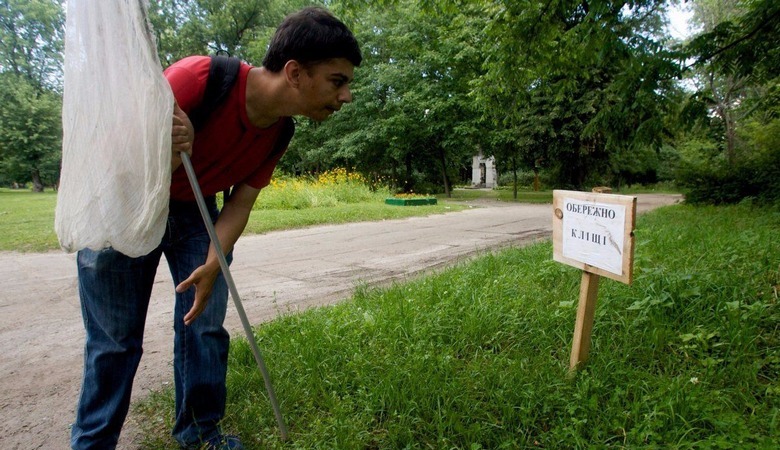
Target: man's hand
x,y
182,136
231,222
202,279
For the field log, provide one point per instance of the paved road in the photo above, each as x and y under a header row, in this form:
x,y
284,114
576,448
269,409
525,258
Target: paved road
x,y
41,336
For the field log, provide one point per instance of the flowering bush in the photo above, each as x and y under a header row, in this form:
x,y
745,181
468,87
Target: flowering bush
x,y
328,188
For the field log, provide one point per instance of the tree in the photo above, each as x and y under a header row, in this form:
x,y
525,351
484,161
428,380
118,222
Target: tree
x,y
31,37
30,102
744,42
239,28
737,65
412,119
577,82
722,92
30,132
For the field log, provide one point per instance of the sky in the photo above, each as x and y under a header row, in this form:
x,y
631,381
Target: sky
x,y
678,18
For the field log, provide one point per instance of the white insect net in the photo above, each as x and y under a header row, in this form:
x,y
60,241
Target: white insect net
x,y
116,115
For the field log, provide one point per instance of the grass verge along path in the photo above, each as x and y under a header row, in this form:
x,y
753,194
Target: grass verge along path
x,y
475,357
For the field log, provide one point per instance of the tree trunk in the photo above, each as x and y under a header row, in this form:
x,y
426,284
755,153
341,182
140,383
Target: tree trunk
x,y
514,176
536,180
36,180
408,182
445,178
726,93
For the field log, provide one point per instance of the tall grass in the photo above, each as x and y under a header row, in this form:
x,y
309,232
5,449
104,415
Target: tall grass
x,y
475,357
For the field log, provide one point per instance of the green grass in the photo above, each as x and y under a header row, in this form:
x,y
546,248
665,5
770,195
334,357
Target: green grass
x,y
27,218
27,221
476,356
266,220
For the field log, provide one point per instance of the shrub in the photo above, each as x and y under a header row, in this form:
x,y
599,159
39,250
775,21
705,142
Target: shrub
x,y
525,179
709,179
329,188
723,184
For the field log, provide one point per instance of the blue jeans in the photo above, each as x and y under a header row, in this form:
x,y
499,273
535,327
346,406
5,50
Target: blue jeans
x,y
115,291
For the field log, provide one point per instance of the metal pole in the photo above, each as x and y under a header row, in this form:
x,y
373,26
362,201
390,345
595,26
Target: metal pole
x,y
233,291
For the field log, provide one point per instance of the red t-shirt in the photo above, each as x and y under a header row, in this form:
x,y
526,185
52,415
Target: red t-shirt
x,y
228,150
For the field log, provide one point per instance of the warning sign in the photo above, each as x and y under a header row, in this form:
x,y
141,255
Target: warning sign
x,y
594,232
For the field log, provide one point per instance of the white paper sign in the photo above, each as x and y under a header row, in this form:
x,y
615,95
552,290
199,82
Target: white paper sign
x,y
593,233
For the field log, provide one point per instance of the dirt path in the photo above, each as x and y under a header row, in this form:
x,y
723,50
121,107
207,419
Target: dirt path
x,y
41,335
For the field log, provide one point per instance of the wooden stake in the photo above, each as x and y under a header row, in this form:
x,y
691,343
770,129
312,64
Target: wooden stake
x,y
586,310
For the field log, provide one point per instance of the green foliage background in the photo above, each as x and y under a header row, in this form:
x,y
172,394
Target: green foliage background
x,y
579,93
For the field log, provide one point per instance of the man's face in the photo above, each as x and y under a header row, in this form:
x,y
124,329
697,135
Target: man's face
x,y
325,86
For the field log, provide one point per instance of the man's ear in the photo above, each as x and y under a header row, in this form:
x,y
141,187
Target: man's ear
x,y
292,72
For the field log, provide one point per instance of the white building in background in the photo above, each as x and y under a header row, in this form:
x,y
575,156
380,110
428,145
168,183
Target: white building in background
x,y
483,172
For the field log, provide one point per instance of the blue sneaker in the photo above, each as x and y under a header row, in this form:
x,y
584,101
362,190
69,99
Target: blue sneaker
x,y
221,442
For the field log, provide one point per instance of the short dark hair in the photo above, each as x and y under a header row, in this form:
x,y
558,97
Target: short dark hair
x,y
309,36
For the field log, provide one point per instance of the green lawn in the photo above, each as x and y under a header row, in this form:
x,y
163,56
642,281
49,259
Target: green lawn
x,y
476,356
279,219
27,221
27,218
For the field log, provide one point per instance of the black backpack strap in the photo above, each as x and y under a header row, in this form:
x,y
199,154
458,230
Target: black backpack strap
x,y
223,74
288,130
285,136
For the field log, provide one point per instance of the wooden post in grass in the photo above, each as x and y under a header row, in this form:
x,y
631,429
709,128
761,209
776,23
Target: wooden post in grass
x,y
583,327
593,232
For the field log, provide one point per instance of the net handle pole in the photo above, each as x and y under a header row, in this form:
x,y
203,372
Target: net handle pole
x,y
233,291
